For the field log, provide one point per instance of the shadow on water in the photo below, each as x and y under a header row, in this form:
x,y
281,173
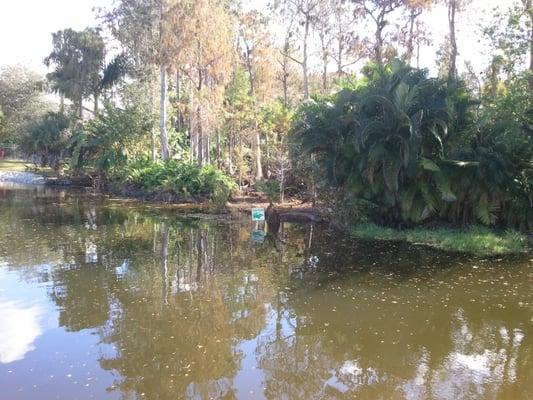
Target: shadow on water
x,y
182,308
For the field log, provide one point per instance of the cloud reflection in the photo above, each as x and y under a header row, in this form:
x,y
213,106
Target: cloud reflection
x,y
19,327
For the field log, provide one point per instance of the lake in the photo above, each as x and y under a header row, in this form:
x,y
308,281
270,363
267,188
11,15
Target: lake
x,y
106,299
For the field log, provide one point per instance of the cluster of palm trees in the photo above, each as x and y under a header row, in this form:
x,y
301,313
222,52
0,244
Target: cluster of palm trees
x,y
408,145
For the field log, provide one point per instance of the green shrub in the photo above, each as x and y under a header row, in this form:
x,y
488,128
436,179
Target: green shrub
x,y
271,189
216,184
107,142
182,179
46,139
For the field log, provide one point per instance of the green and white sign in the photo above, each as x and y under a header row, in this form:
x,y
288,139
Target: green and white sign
x,y
258,214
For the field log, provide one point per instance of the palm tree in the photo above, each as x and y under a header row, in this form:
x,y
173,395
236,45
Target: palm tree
x,y
383,141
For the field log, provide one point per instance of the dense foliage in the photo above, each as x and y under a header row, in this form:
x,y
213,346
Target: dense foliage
x,y
47,139
109,140
21,102
212,92
183,180
399,141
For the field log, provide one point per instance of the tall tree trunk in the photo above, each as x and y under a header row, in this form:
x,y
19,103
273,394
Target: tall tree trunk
x,y
325,75
529,9
285,82
418,55
339,58
240,162
207,148
179,117
304,60
378,47
153,129
257,155
410,38
452,67
199,137
231,146
219,153
256,141
192,142
285,71
249,69
163,114
324,51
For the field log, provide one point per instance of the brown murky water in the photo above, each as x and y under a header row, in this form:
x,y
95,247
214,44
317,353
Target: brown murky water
x,y
102,300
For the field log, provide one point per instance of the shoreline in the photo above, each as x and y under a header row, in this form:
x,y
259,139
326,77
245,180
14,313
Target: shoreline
x,y
292,210
476,241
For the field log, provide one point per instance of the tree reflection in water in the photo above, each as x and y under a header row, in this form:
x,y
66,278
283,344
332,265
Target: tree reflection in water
x,y
194,310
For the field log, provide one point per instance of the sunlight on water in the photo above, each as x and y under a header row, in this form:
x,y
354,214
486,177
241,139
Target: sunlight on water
x,y
101,299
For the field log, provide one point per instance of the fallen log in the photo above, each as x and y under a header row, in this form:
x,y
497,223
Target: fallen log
x,y
299,216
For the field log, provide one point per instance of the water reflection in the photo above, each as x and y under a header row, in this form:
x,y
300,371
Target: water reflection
x,y
197,310
20,328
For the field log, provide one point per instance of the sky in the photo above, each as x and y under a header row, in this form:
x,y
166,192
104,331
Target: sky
x,y
26,27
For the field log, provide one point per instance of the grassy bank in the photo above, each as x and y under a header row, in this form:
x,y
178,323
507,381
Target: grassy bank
x,y
476,240
13,165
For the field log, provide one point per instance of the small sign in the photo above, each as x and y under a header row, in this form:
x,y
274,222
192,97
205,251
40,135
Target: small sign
x,y
258,236
258,214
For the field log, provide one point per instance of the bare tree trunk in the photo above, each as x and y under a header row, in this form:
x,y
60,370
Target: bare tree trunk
x,y
285,82
529,9
256,141
452,67
304,60
179,117
152,131
531,58
231,145
418,55
207,148
219,154
240,167
339,58
410,40
285,67
324,57
249,68
199,137
257,155
267,147
82,90
192,142
163,114
378,47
